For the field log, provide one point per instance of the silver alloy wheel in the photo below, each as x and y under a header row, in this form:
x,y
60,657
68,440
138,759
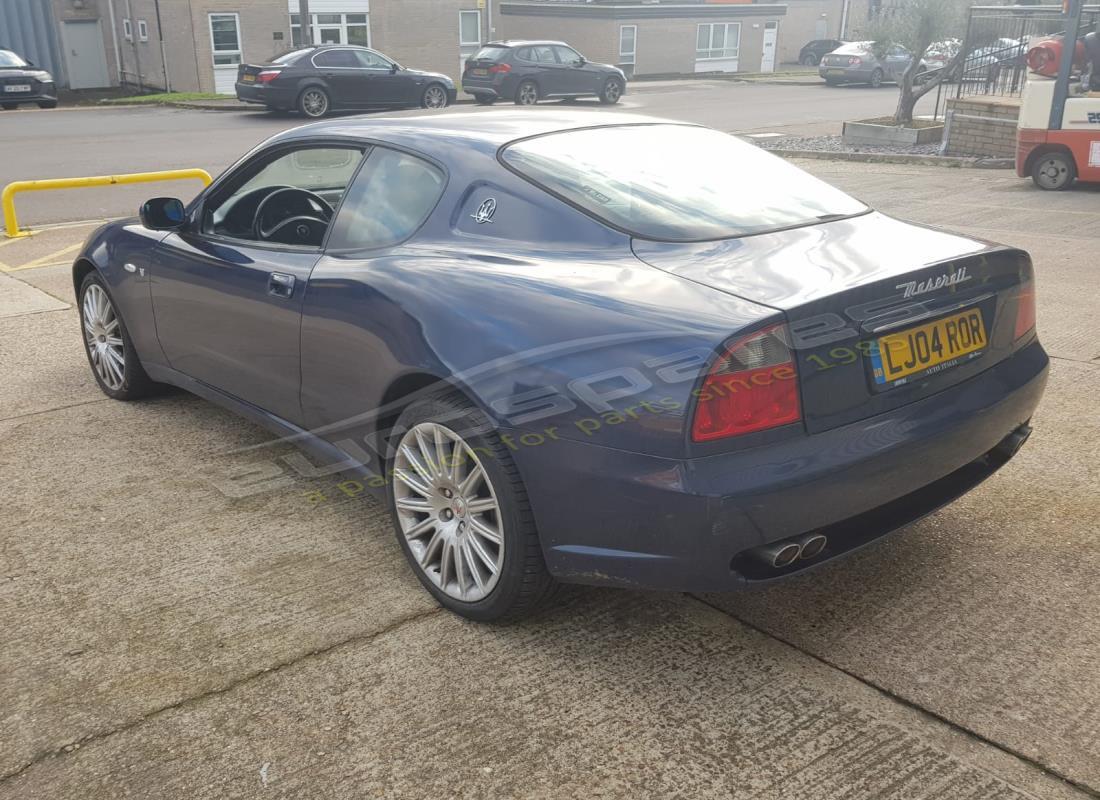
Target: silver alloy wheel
x,y
876,78
103,337
612,92
435,97
448,512
528,94
315,103
1052,172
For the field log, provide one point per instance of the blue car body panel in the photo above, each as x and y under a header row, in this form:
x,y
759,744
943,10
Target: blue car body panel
x,y
585,348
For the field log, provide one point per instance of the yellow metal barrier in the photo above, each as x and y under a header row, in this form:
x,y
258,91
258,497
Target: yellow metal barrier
x,y
7,198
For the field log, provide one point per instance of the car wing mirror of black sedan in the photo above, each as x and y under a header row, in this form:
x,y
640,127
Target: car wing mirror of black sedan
x,y
163,214
395,67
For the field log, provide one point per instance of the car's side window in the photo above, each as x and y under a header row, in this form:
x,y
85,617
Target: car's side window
x,y
392,196
544,55
287,197
336,58
567,55
366,58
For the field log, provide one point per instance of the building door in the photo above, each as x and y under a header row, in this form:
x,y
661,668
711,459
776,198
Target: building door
x,y
767,58
225,41
821,29
85,55
469,36
628,48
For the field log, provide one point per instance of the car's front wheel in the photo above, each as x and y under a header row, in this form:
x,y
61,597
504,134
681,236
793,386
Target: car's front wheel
x,y
313,102
1054,172
435,96
809,60
527,94
876,78
612,91
462,514
107,344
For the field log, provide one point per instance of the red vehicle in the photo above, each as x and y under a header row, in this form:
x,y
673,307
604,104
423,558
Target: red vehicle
x,y
1055,156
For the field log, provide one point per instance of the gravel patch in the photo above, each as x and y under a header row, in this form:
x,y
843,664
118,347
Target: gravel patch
x,y
833,144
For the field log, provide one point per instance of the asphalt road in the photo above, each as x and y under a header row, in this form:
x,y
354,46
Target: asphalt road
x,y
162,638
79,142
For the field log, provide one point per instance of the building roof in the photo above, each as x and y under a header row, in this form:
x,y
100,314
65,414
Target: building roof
x,y
626,10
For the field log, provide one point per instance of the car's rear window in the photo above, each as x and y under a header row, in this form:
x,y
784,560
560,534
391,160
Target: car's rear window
x,y
490,54
292,56
676,182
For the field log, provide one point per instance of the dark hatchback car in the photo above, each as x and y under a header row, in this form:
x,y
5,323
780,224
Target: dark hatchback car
x,y
23,82
317,80
812,52
527,72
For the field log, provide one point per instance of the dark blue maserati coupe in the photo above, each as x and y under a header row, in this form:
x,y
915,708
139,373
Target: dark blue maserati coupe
x,y
571,347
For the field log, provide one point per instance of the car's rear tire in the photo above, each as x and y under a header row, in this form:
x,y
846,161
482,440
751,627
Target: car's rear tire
x,y
1054,171
435,96
612,92
527,93
107,344
461,512
47,104
484,99
314,102
9,106
877,77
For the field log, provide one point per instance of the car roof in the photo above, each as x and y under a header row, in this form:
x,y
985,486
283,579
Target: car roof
x,y
523,43
486,131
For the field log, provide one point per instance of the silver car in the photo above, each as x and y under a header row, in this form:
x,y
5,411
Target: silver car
x,y
856,62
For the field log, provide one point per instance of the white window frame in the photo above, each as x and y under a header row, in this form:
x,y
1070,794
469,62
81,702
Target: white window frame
x,y
725,53
214,51
143,31
461,16
296,27
633,54
127,30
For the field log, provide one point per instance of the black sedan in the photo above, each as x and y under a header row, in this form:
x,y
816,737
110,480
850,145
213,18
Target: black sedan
x,y
317,80
527,72
812,52
23,82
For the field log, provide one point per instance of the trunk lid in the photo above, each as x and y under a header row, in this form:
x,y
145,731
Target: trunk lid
x,y
846,286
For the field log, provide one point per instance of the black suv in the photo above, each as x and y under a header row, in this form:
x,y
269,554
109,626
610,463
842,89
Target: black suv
x,y
23,82
812,52
527,72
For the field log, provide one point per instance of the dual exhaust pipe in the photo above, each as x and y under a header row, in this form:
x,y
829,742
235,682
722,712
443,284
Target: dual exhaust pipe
x,y
785,553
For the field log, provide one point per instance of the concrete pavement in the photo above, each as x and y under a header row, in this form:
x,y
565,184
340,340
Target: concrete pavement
x,y
167,638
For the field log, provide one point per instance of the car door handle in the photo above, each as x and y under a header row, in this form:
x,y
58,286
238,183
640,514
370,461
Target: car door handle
x,y
280,284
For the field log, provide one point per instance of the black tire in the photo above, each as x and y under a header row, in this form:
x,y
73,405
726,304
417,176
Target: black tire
x,y
484,99
527,93
434,96
524,583
47,104
314,102
9,106
1054,171
809,60
135,382
877,77
611,92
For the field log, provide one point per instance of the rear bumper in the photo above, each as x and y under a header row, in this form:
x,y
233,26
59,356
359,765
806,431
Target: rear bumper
x,y
266,95
611,517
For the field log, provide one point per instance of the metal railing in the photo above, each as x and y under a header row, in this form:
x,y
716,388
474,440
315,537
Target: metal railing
x,y
7,197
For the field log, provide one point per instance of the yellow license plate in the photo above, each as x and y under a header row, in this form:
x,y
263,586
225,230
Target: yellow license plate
x,y
929,348
249,79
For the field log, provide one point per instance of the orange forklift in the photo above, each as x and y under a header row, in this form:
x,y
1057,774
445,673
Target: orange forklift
x,y
1058,135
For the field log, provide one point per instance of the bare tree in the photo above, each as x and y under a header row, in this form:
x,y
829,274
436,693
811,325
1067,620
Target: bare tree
x,y
915,25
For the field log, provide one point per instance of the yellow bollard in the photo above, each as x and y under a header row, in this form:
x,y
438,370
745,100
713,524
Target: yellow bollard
x,y
7,198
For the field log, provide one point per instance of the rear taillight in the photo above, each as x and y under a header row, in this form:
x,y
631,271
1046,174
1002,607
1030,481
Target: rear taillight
x,y
1025,310
854,61
753,386
268,75
500,68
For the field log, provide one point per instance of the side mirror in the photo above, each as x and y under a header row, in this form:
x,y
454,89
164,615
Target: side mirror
x,y
580,62
394,67
162,214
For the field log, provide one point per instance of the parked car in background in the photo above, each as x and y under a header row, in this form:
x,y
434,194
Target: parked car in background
x,y
317,80
22,82
939,55
812,52
528,71
857,62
